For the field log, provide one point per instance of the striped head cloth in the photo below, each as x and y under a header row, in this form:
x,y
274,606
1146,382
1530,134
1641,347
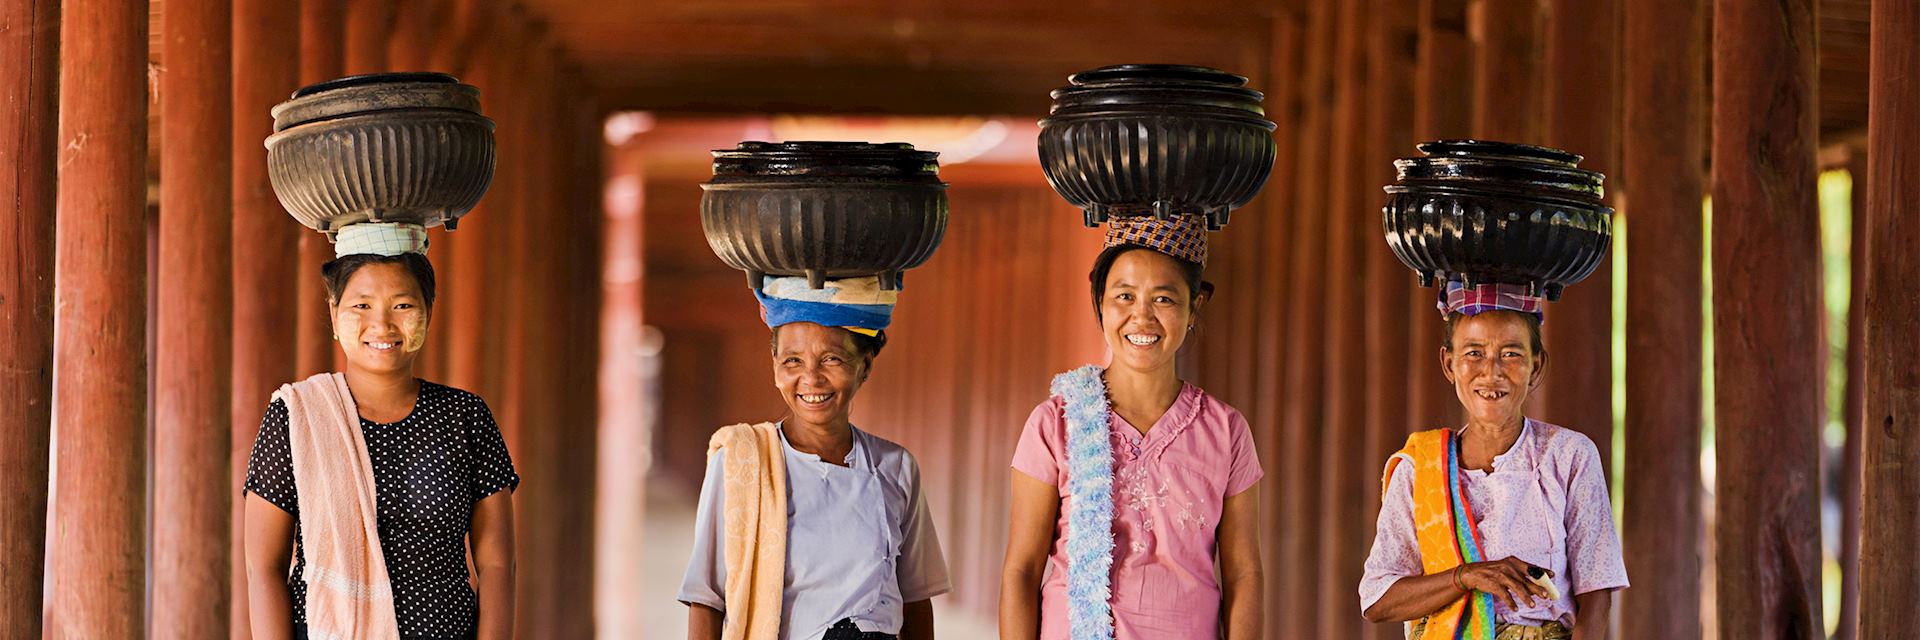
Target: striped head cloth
x,y
1481,298
1182,236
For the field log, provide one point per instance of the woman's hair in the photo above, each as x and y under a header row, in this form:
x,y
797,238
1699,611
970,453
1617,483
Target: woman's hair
x,y
1533,331
866,346
1103,264
338,271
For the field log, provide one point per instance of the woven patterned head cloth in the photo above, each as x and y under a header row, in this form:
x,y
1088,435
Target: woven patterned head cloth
x,y
380,238
1182,236
1481,298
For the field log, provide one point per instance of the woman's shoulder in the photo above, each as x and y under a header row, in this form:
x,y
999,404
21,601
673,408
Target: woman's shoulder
x,y
1562,446
886,454
1209,410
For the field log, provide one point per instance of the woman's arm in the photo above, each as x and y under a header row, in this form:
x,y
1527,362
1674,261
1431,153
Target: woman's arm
x,y
1035,507
704,622
918,624
1593,611
269,551
1241,577
1415,596
492,539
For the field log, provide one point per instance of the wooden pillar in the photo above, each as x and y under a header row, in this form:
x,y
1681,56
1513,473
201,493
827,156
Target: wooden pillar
x,y
626,417
1300,477
1583,116
1890,533
1343,425
1392,57
463,316
1766,283
1439,112
27,75
1855,403
416,26
1506,87
266,69
1283,98
96,563
192,407
1663,150
321,22
369,28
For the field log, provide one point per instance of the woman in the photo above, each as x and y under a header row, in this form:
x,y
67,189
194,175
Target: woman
x,y
851,500
1502,529
1130,484
378,480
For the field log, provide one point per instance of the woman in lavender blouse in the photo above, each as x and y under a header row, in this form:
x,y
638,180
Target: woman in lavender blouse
x,y
1502,528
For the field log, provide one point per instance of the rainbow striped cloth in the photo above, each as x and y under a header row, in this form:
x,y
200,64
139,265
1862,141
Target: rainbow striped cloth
x,y
1443,524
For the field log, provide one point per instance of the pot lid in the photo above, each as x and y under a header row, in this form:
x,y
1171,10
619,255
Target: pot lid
x,y
373,93
810,158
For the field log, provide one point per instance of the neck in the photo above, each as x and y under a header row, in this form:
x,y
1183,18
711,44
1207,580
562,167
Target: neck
x,y
1481,440
831,441
382,393
1131,390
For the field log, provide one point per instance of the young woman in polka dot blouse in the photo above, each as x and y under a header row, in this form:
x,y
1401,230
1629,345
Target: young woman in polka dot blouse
x,y
443,478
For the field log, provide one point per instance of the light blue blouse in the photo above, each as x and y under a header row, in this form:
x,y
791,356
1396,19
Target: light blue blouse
x,y
849,555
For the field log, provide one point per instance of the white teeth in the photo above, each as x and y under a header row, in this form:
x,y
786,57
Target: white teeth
x,y
1142,339
815,398
383,345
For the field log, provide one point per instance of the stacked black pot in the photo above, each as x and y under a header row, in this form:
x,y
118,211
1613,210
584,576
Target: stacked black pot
x,y
1493,212
1156,139
824,210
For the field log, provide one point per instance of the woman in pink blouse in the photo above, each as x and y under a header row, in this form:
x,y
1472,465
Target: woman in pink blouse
x,y
1128,484
1501,529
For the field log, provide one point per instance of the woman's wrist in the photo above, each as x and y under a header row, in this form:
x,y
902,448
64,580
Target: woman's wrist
x,y
1456,579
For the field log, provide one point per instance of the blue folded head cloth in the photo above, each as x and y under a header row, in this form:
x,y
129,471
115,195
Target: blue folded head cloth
x,y
855,304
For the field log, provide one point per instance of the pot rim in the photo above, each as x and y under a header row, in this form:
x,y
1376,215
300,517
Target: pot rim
x,y
356,119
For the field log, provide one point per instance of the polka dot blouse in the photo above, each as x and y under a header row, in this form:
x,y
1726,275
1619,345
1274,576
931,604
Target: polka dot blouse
x,y
429,470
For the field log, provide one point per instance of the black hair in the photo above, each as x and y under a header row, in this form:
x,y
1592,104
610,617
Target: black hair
x,y
338,271
865,346
1103,264
1533,331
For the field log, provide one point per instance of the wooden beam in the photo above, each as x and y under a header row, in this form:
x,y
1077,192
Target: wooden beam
x,y
1889,546
28,71
1278,215
1665,51
321,44
1766,286
1440,112
1507,72
97,542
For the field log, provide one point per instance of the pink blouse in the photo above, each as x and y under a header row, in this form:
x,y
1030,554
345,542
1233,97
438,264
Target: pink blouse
x,y
1169,487
1545,503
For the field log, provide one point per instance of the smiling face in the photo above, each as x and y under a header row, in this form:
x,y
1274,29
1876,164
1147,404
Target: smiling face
x,y
1146,310
817,370
1493,365
381,319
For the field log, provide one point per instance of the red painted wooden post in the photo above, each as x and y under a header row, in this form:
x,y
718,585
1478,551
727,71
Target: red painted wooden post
x,y
1663,149
1439,112
266,69
1507,73
369,27
1583,115
321,22
192,500
27,83
96,562
1766,284
624,415
1888,553
1278,215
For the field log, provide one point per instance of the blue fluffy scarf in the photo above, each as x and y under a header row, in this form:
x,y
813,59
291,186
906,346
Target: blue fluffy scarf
x,y
1090,516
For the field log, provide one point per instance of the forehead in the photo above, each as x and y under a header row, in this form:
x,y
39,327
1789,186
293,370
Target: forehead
x,y
382,278
1145,268
809,337
1493,327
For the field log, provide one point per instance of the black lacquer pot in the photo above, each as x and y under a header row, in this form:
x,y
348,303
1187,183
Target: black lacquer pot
x,y
392,147
1156,139
824,209
1482,212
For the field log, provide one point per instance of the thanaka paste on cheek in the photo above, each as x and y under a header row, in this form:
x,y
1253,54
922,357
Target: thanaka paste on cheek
x,y
416,332
346,329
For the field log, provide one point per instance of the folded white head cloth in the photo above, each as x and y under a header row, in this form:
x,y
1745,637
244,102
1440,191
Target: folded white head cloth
x,y
380,238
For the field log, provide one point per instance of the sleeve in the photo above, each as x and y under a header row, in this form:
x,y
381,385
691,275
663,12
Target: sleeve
x,y
1245,470
1593,547
1039,453
270,467
922,572
492,465
1396,552
706,578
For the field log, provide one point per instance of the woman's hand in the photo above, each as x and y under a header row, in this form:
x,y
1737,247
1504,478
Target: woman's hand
x,y
491,532
1036,506
269,551
1506,579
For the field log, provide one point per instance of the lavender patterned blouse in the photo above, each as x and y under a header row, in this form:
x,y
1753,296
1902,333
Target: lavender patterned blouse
x,y
1545,503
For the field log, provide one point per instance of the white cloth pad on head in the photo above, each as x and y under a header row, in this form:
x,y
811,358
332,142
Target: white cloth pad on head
x,y
380,238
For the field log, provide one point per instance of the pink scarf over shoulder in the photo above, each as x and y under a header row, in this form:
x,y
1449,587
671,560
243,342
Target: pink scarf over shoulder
x,y
349,594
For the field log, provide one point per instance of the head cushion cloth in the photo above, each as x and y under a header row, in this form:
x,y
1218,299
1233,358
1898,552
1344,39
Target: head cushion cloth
x,y
1481,298
855,304
1181,236
380,238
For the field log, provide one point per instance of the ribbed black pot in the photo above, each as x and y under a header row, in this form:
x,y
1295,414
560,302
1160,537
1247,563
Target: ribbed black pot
x,y
392,147
1481,211
824,209
1156,139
